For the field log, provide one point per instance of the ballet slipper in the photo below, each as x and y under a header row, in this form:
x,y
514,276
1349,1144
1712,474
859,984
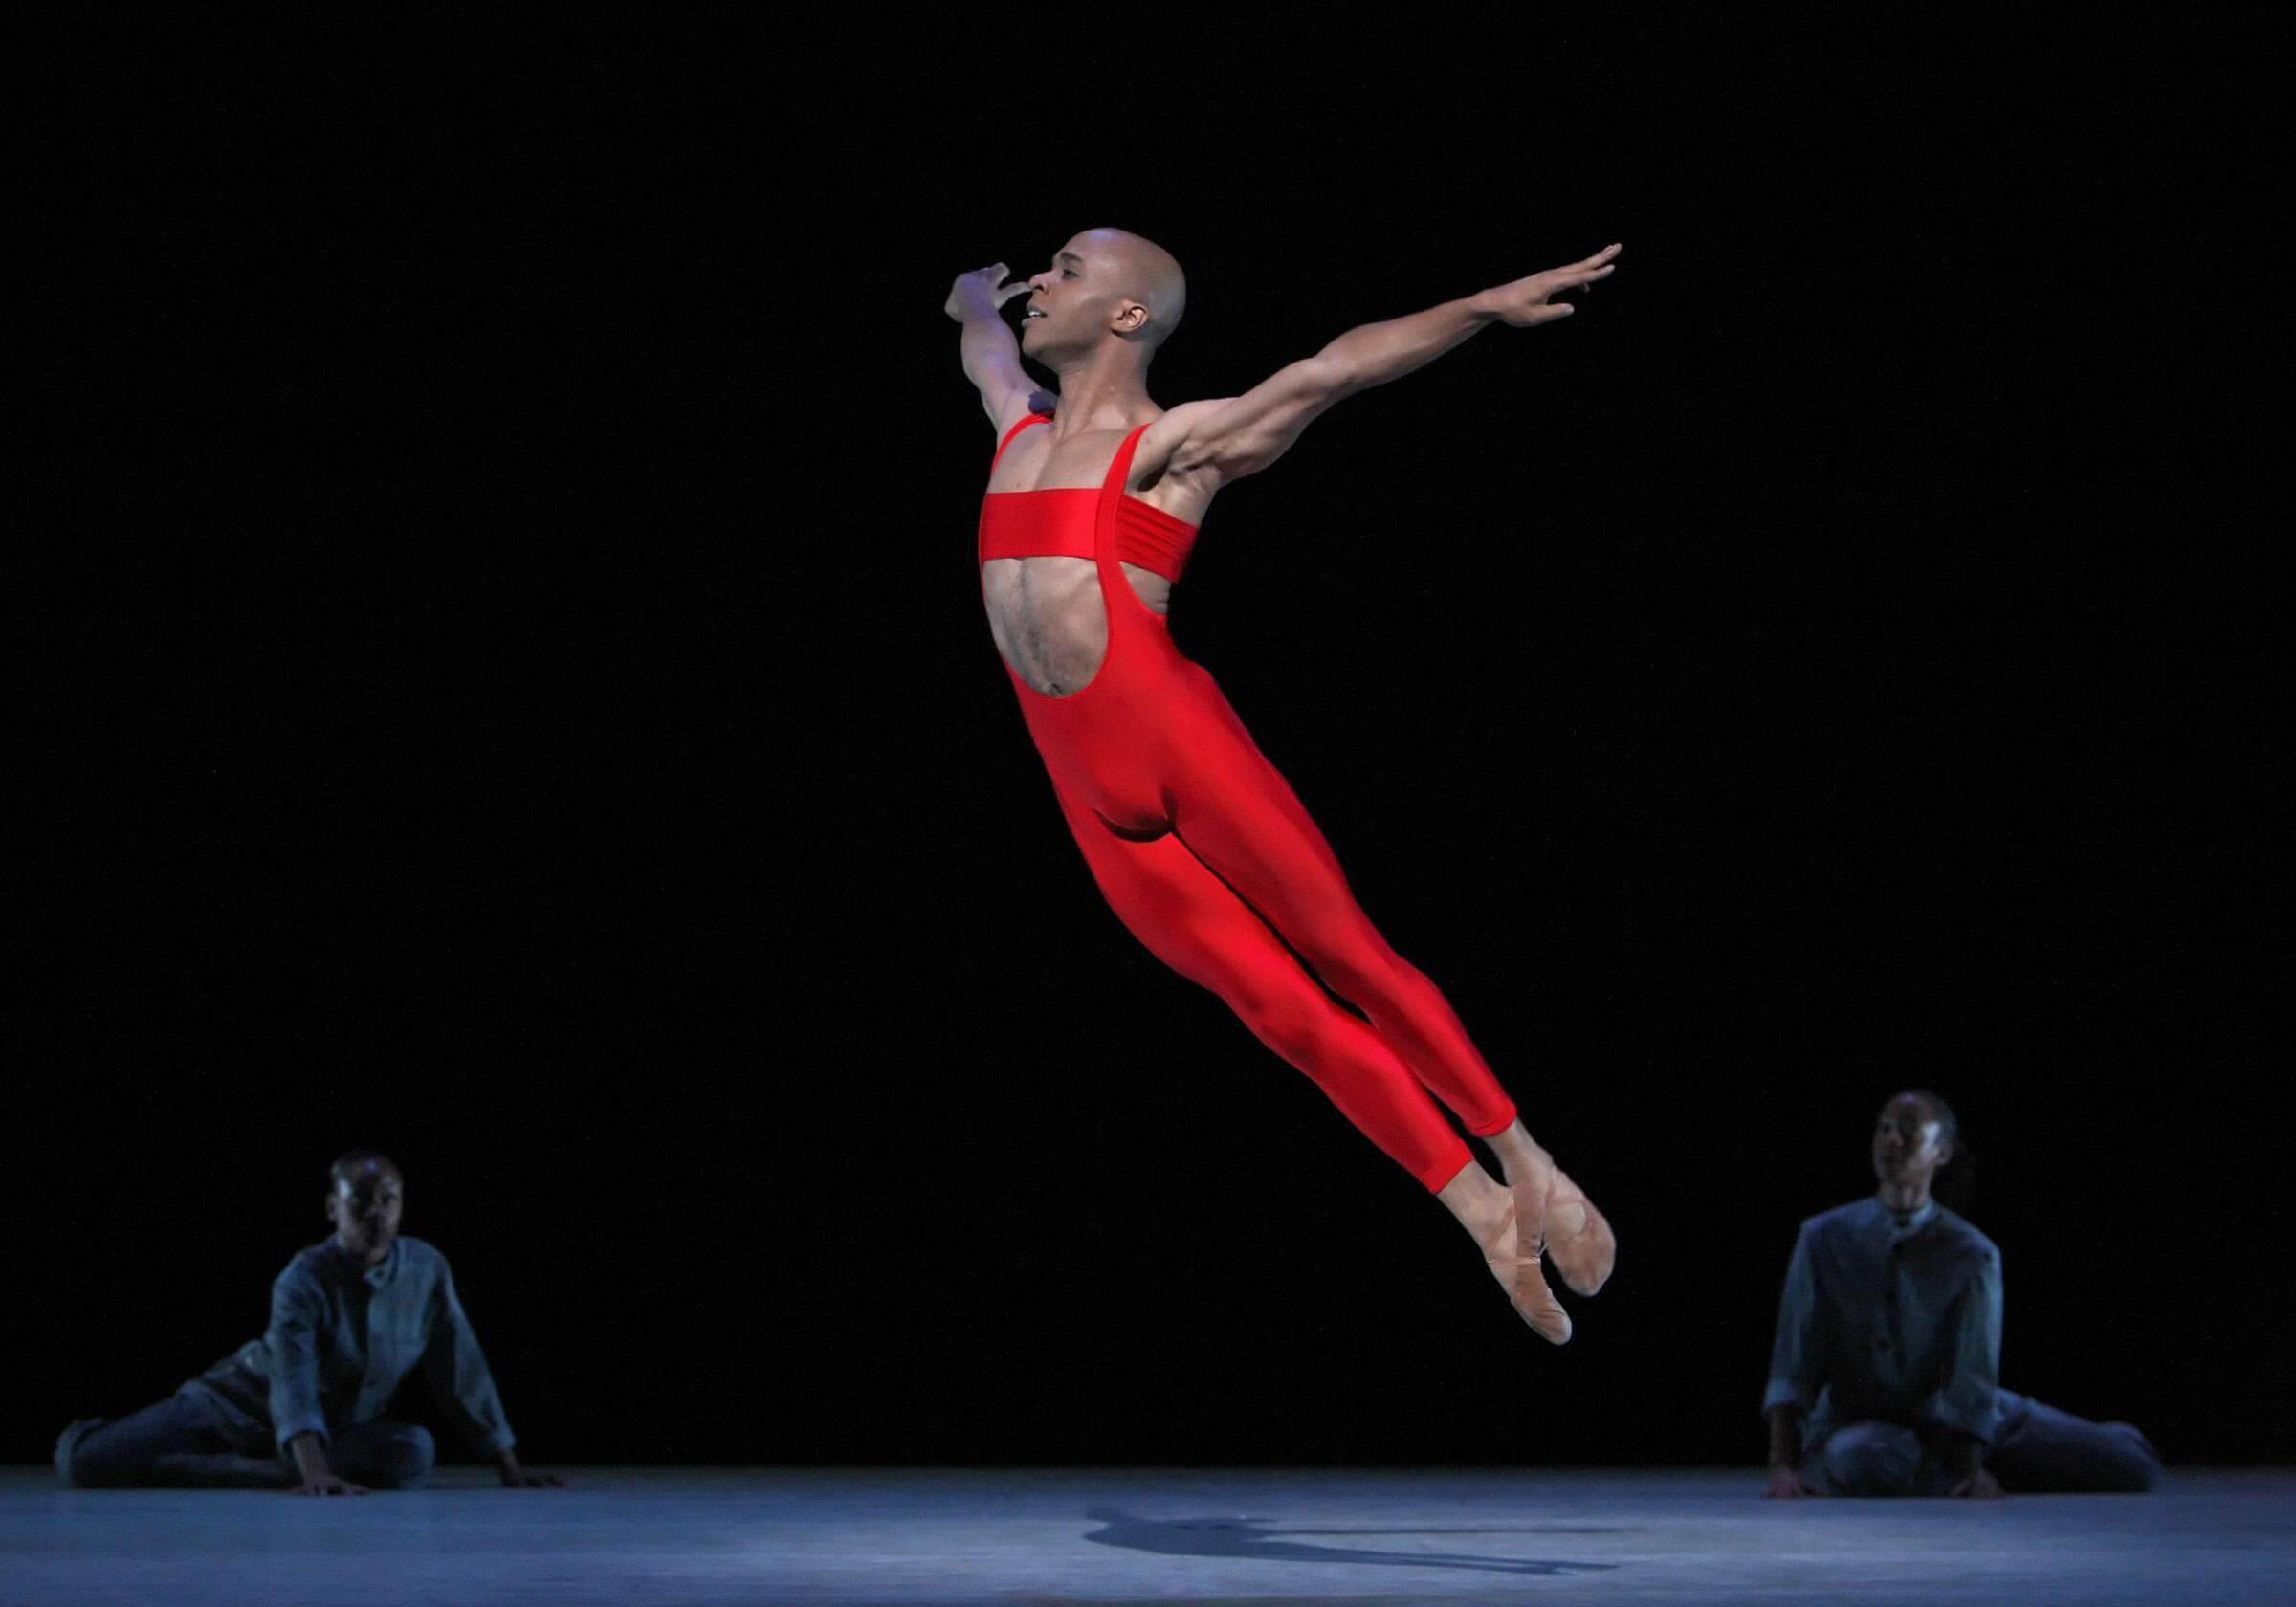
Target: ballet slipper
x,y
1526,1287
1573,1234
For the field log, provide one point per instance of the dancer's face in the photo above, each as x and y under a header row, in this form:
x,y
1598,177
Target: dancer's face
x,y
364,1208
1086,293
1907,1142
1057,316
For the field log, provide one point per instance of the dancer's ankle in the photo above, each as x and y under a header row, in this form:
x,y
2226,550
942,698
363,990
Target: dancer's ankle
x,y
1479,1204
1514,1145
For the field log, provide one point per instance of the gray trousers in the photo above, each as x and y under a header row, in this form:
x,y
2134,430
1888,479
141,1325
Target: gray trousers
x,y
2037,1450
194,1437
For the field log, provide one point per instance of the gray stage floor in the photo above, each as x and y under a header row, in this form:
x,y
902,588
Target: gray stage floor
x,y
642,1536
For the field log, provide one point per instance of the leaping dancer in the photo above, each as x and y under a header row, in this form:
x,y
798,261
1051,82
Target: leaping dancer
x,y
1197,841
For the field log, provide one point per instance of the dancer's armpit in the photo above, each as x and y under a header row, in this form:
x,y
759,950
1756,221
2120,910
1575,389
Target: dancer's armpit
x,y
1228,438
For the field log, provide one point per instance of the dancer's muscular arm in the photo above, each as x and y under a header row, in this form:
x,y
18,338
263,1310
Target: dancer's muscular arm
x,y
990,352
1218,440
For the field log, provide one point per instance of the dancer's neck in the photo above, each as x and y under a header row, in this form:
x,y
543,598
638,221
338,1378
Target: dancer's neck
x,y
1108,391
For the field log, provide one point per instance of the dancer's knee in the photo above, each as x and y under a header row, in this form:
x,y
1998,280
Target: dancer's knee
x,y
115,1453
1872,1459
2133,1467
1290,1021
2057,1453
1339,941
387,1455
410,1454
91,1463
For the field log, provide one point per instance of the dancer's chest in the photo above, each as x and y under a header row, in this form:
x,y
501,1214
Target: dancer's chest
x,y
1048,618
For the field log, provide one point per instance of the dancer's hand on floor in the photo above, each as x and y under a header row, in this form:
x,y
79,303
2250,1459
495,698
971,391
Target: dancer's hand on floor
x,y
1980,1485
517,1475
1786,1483
329,1484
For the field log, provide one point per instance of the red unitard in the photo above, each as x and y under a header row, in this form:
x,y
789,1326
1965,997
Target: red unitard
x,y
1205,853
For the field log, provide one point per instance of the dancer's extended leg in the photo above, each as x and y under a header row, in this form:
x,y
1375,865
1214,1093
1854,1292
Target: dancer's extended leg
x,y
1236,812
1189,920
1196,924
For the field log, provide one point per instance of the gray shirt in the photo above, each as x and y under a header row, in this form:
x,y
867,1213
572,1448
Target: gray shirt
x,y
1890,1316
343,1337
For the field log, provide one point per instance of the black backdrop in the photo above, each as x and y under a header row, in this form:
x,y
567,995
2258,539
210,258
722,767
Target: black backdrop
x,y
505,686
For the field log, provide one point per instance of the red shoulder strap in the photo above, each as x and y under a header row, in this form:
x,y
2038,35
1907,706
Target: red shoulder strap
x,y
1120,467
1112,499
1032,418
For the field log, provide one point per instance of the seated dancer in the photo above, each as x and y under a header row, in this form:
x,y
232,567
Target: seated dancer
x,y
1884,1374
1196,840
299,1408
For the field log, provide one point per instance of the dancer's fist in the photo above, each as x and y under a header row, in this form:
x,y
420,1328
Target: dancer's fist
x,y
980,293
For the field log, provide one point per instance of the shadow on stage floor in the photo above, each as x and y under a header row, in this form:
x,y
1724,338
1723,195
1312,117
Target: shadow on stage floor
x,y
1260,1540
948,1537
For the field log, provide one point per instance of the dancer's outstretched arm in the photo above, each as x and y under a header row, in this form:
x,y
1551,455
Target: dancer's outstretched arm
x,y
1218,440
990,351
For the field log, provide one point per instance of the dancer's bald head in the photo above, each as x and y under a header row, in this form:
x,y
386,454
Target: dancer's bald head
x,y
1144,272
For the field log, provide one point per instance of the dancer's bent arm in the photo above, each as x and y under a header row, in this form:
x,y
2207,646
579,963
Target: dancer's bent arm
x,y
990,352
1224,440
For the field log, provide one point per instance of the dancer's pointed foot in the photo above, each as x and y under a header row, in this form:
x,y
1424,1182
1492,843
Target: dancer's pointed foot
x,y
1579,1241
1572,1231
1525,1284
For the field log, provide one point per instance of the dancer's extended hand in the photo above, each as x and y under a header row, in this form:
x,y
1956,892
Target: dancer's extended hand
x,y
1786,1483
980,293
328,1484
1524,303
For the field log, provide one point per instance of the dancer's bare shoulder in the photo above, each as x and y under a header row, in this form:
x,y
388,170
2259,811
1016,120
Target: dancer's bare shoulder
x,y
1166,435
1211,444
1158,476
